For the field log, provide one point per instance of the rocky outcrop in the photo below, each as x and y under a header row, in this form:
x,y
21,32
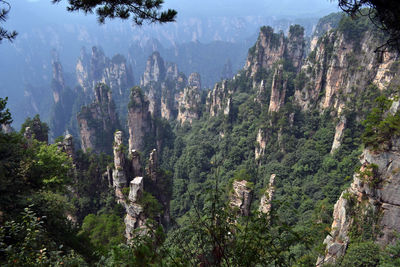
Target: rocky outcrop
x,y
118,75
261,144
139,119
267,198
58,83
295,48
135,217
273,47
153,76
189,101
28,133
82,71
241,197
171,89
261,95
96,68
154,182
68,145
36,130
98,121
339,133
338,71
162,84
278,90
119,175
269,48
339,68
155,70
220,99
324,25
371,201
152,169
136,167
172,72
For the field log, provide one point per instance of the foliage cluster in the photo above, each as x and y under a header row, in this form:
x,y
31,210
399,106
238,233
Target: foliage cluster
x,y
380,124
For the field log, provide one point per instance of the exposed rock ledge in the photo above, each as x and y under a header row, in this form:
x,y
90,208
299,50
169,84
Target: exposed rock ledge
x,y
378,193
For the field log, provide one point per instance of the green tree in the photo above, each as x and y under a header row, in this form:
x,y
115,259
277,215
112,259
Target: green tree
x,y
26,243
104,231
391,255
5,115
40,129
380,125
364,254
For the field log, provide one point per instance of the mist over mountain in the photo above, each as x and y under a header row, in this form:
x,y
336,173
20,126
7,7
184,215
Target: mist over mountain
x,y
44,27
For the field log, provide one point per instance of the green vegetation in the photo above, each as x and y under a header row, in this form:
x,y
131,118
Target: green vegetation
x,y
197,166
104,231
5,116
361,254
136,92
150,205
296,30
39,129
380,125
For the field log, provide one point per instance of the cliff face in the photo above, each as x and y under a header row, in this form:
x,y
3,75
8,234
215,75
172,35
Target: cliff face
x,y
82,71
261,144
116,73
295,48
63,97
268,49
189,101
273,55
272,47
126,174
153,76
371,202
331,71
323,26
119,176
336,72
58,83
241,197
266,199
98,121
339,70
155,70
135,217
220,99
139,119
163,86
278,90
68,145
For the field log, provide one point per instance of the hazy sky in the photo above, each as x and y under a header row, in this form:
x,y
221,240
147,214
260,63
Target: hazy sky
x,y
200,8
251,7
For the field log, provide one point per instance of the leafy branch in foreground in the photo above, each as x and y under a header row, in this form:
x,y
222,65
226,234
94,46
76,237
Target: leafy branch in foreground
x,y
384,14
5,115
139,10
5,8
